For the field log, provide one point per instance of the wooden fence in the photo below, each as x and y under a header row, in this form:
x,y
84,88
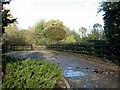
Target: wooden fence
x,y
23,47
30,47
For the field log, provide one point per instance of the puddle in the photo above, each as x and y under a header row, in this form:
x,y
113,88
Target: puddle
x,y
24,56
72,73
69,67
53,58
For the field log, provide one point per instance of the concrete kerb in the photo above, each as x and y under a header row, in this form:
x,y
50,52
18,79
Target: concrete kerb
x,y
67,84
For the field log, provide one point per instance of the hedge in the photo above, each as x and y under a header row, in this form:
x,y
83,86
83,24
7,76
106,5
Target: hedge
x,y
97,48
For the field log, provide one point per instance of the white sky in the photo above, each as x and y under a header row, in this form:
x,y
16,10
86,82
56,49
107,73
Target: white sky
x,y
73,13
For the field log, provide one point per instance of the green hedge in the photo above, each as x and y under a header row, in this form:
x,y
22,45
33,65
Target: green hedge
x,y
30,74
97,48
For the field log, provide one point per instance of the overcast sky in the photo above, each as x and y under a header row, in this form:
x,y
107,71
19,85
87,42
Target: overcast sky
x,y
73,13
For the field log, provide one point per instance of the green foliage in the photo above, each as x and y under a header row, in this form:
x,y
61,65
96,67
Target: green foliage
x,y
40,26
31,74
97,32
6,60
97,48
69,39
54,23
53,31
6,19
72,32
40,36
16,37
83,31
54,34
28,37
111,24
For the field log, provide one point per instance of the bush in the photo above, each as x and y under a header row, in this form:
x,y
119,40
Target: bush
x,y
97,48
31,74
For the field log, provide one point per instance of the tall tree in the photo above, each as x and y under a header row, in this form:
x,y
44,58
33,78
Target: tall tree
x,y
42,27
95,34
112,23
54,34
39,32
7,17
54,23
83,31
99,30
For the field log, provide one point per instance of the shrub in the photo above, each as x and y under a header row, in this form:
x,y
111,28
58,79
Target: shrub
x,y
31,74
97,48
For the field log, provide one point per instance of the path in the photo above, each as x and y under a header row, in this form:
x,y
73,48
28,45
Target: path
x,y
78,73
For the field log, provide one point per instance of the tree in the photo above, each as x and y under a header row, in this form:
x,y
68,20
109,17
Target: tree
x,y
95,34
10,37
55,23
54,34
41,28
99,31
39,32
27,36
96,31
69,39
83,31
73,33
7,18
16,37
112,24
